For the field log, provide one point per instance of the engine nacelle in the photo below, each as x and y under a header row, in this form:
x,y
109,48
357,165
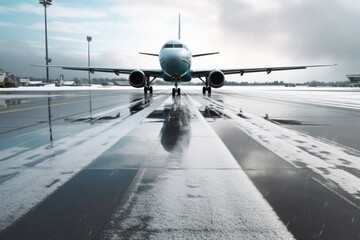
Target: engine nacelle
x,y
216,79
137,79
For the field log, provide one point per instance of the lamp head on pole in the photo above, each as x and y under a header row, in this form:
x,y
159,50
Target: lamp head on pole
x,y
88,38
45,2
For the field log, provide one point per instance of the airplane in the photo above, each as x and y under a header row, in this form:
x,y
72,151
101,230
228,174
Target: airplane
x,y
175,61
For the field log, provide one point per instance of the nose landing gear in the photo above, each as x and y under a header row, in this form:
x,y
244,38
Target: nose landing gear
x,y
176,90
147,87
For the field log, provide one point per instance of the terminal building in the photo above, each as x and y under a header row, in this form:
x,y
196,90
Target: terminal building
x,y
354,79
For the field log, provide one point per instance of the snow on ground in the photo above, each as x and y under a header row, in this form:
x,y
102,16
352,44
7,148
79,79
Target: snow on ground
x,y
199,192
52,87
33,174
94,87
326,96
36,173
327,159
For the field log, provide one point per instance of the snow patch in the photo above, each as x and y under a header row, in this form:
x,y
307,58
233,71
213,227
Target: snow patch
x,y
38,172
299,149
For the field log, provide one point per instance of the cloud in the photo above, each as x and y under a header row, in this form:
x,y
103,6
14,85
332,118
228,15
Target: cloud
x,y
35,44
160,9
66,27
5,10
16,57
29,8
296,32
66,39
7,24
59,11
56,11
300,28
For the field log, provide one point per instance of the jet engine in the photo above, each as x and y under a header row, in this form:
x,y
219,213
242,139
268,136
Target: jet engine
x,y
137,79
216,79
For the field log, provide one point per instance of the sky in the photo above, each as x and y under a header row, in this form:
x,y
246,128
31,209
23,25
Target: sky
x,y
247,33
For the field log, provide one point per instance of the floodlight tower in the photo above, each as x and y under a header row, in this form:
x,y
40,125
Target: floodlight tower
x,y
46,3
88,39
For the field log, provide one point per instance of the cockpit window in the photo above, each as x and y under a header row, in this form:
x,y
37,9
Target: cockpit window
x,y
168,46
175,45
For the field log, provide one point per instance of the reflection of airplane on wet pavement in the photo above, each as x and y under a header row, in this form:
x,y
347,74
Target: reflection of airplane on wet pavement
x,y
175,132
175,61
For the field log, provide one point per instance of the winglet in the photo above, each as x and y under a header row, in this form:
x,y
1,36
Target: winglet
x,y
179,28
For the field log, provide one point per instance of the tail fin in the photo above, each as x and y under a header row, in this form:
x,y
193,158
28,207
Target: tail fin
x,y
179,28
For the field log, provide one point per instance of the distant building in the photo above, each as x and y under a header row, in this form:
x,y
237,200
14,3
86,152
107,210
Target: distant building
x,y
2,75
24,82
36,84
69,83
354,79
8,79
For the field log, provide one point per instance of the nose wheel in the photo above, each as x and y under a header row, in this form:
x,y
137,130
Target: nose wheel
x,y
176,90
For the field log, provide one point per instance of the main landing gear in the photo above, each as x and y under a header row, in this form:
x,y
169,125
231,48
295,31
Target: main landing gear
x,y
176,90
148,88
208,89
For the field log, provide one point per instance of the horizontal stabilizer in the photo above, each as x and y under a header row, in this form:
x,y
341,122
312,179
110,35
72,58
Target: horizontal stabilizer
x,y
150,54
204,54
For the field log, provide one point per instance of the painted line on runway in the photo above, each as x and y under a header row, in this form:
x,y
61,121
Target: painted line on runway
x,y
51,105
298,148
42,106
84,146
317,102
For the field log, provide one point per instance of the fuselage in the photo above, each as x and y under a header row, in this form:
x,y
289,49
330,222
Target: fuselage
x,y
175,61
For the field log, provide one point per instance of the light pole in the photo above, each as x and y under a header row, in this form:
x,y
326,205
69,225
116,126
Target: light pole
x,y
46,3
88,38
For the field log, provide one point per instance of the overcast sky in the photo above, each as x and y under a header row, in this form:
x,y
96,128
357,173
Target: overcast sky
x,y
248,33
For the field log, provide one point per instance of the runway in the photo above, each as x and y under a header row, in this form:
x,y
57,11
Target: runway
x,y
111,163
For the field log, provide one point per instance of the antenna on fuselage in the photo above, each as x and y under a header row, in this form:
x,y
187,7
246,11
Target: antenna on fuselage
x,y
179,28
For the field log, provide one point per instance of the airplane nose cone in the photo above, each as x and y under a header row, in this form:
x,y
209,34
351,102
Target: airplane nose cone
x,y
174,63
174,60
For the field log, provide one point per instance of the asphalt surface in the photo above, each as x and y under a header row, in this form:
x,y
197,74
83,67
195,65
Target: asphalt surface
x,y
143,146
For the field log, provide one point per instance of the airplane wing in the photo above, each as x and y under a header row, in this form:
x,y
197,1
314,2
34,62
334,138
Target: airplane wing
x,y
204,54
150,54
242,71
148,72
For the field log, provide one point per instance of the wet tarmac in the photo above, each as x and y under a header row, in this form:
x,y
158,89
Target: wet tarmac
x,y
115,164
